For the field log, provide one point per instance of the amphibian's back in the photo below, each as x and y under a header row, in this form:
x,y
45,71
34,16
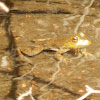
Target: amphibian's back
x,y
52,43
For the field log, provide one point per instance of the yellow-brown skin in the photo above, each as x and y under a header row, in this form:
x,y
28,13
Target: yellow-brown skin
x,y
60,45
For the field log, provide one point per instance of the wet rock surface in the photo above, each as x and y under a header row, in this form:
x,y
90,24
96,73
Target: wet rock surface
x,y
49,79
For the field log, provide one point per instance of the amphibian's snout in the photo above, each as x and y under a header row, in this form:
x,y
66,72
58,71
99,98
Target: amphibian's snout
x,y
81,40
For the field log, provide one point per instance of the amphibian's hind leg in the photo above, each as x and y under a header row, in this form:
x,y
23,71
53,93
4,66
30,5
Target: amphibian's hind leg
x,y
21,57
29,51
32,50
59,53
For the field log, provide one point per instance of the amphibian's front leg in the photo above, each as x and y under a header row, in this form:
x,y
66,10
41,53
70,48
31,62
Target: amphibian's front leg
x,y
58,54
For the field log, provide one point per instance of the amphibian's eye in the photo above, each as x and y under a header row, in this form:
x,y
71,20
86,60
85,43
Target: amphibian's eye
x,y
75,39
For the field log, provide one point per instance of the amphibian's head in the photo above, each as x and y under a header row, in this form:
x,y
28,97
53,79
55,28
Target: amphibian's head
x,y
77,41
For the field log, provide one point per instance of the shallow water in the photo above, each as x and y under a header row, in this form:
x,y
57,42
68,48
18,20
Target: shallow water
x,y
49,79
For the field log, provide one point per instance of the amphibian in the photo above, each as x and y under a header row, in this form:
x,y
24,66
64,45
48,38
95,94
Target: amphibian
x,y
60,45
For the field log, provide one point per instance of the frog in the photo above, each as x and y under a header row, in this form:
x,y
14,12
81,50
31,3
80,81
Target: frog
x,y
60,45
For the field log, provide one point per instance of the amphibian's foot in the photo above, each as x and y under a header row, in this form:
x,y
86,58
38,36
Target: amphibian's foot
x,y
59,53
65,60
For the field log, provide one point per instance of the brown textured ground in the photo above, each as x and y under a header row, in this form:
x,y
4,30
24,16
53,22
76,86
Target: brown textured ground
x,y
30,19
